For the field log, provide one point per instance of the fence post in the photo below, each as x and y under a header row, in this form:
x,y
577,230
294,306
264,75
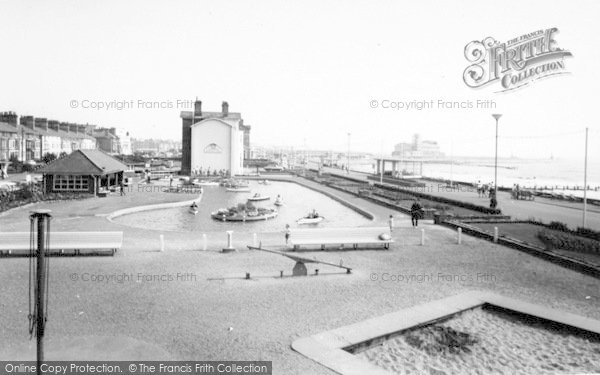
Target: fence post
x,y
422,237
459,230
495,234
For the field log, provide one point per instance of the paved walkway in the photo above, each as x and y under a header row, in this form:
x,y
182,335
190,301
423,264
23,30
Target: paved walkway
x,y
541,209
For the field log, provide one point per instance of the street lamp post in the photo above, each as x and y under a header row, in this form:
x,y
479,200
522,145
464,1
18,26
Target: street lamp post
x,y
381,166
348,156
497,117
585,180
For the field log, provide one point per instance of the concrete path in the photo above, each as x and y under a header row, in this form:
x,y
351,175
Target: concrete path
x,y
541,209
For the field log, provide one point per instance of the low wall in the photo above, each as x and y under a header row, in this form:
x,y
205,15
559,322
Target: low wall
x,y
435,198
150,207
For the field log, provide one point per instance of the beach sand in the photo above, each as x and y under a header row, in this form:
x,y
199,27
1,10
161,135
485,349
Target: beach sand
x,y
488,341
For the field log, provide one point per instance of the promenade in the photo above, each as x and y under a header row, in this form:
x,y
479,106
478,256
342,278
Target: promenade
x,y
542,209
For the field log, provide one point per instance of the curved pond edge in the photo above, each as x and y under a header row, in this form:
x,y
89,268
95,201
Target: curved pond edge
x,y
336,198
150,207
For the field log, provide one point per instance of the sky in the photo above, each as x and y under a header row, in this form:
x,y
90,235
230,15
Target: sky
x,y
302,72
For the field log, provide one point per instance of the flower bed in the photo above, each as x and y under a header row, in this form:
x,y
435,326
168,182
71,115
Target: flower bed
x,y
568,241
32,194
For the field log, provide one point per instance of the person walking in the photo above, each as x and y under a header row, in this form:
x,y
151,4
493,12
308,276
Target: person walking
x,y
415,212
391,223
122,189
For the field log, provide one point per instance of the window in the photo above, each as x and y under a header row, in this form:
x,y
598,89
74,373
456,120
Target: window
x,y
71,183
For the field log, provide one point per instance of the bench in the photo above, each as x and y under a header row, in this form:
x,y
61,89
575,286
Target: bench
x,y
339,237
64,243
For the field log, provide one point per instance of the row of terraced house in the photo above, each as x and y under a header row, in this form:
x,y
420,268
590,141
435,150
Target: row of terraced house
x,y
28,138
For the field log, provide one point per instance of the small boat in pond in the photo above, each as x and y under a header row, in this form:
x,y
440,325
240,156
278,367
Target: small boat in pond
x,y
239,189
311,218
233,183
279,201
197,182
257,197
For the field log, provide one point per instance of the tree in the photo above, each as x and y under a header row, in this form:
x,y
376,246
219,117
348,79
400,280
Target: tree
x,y
49,157
62,154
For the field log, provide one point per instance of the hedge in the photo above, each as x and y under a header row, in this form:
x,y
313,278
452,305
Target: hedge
x,y
568,241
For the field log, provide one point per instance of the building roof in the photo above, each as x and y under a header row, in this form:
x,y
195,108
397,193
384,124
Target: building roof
x,y
8,128
207,115
85,162
228,122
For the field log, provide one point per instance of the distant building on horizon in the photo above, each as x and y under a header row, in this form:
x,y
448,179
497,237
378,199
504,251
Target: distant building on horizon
x,y
155,146
213,141
113,141
418,149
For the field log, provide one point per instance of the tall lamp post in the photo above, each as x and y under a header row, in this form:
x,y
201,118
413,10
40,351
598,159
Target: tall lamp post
x,y
348,156
585,180
497,117
381,166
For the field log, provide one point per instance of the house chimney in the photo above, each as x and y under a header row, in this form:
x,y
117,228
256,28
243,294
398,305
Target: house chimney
x,y
41,123
12,118
64,126
27,121
225,109
197,108
53,124
9,118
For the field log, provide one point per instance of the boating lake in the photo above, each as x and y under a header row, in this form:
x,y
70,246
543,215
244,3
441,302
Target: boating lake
x,y
298,201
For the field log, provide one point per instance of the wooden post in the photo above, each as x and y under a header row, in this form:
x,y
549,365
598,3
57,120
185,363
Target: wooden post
x,y
422,237
459,231
495,234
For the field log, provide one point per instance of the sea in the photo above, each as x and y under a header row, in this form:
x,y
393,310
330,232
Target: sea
x,y
544,174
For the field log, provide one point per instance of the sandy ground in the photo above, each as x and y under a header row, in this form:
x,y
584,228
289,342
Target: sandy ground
x,y
196,305
481,341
